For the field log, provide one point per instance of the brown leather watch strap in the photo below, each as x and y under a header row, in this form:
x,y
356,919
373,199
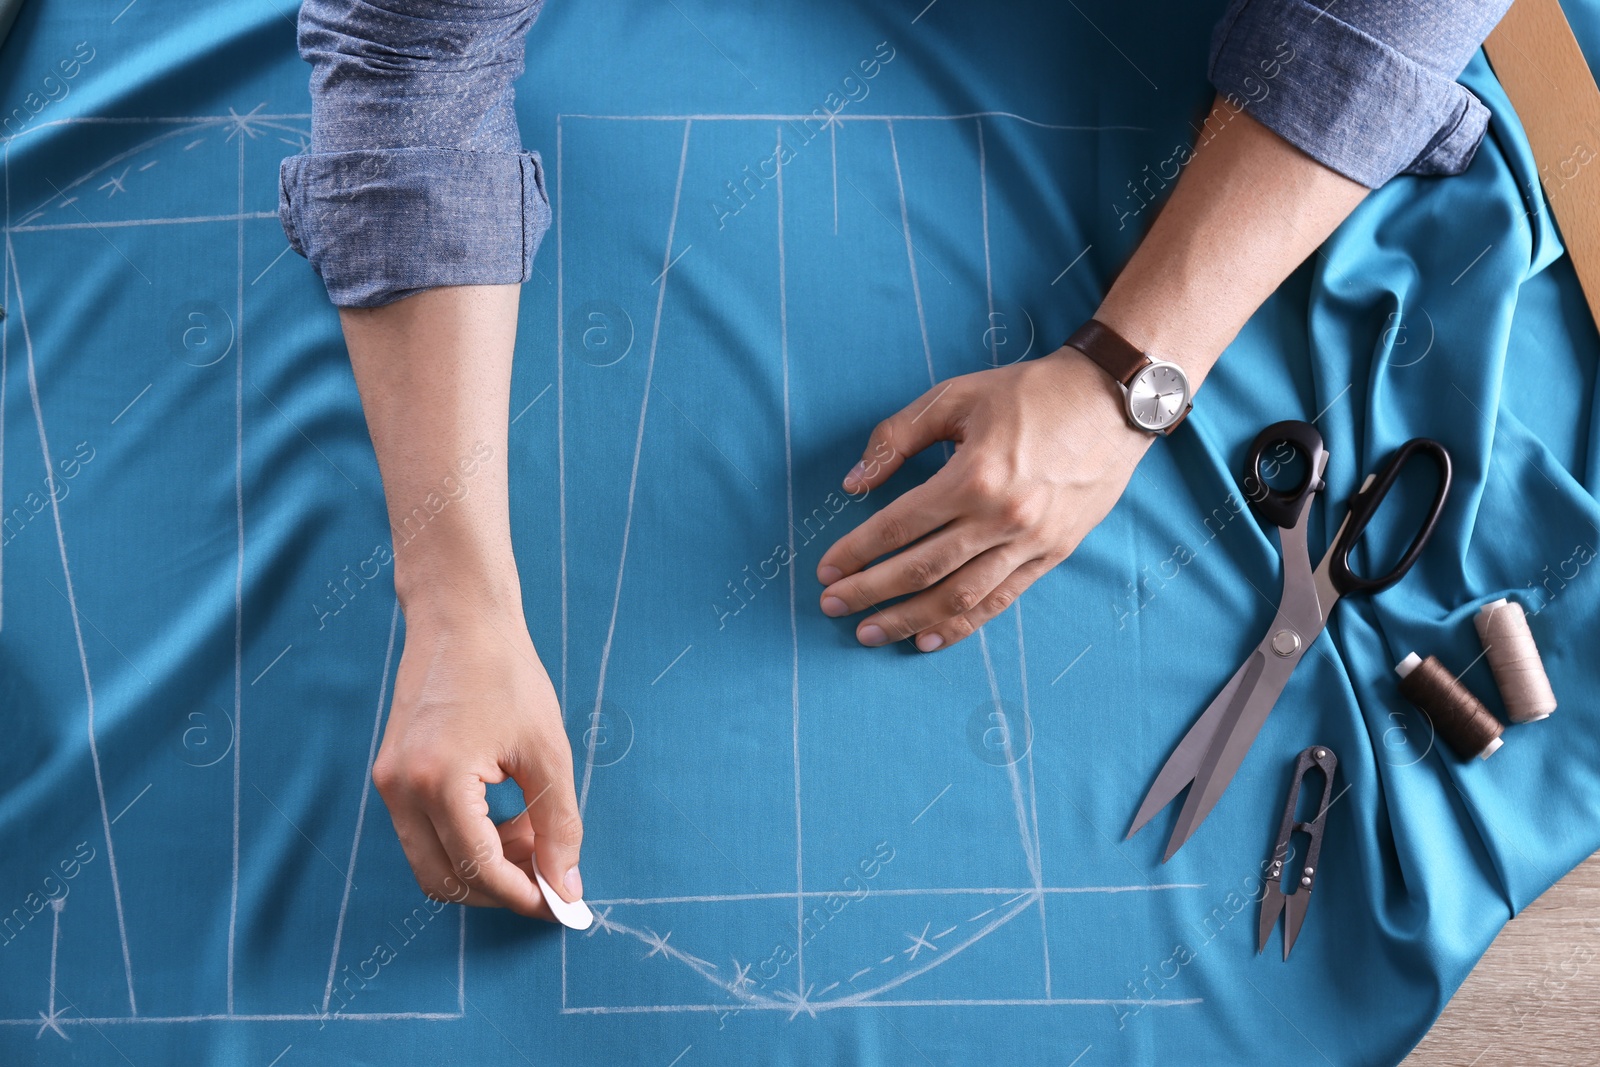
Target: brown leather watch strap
x,y
1109,349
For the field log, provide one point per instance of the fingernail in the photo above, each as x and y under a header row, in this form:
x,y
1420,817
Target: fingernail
x,y
929,642
872,636
829,574
832,605
855,475
573,883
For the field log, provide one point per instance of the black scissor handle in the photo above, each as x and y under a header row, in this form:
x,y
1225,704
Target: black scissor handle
x,y
1281,507
1365,504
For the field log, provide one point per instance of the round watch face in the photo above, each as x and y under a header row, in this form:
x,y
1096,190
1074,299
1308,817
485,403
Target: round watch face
x,y
1158,396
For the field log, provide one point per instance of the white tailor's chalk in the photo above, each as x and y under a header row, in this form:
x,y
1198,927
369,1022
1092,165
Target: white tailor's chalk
x,y
575,915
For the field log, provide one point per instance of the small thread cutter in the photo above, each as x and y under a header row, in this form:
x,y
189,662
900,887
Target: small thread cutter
x,y
1275,901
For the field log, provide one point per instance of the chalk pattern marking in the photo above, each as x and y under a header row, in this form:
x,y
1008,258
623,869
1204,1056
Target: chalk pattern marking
x,y
803,997
925,949
64,210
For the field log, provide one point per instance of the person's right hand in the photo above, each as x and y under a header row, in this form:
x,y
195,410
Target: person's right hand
x,y
473,705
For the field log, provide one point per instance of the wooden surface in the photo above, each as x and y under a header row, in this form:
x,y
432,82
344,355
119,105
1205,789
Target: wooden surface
x,y
1543,71
1535,997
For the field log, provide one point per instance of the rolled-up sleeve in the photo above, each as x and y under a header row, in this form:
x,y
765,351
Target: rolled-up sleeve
x,y
1365,87
415,175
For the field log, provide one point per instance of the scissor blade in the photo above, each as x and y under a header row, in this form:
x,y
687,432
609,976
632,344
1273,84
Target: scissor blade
x,y
1271,909
1184,763
1265,677
1294,907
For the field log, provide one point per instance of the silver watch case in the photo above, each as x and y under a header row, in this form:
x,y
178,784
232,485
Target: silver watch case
x,y
1143,399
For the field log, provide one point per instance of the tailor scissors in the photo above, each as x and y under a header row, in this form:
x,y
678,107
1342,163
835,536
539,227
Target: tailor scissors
x,y
1275,901
1216,744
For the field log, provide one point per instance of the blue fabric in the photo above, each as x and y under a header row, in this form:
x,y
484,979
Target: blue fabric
x,y
198,633
1367,88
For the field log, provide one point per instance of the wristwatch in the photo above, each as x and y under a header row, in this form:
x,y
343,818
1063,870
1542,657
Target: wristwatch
x,y
1156,391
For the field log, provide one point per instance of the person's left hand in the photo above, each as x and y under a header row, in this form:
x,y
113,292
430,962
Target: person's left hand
x,y
1043,451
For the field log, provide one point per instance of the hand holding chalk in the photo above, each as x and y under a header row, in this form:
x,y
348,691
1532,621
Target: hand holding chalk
x,y
576,914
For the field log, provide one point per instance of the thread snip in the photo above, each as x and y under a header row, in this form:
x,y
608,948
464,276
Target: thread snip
x,y
1514,659
1459,717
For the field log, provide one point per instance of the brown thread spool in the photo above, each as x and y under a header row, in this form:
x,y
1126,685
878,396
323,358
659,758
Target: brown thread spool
x,y
1458,716
1514,659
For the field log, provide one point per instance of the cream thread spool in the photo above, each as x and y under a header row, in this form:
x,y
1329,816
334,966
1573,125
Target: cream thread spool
x,y
1514,658
1457,716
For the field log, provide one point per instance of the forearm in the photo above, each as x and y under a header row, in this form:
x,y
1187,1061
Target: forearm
x,y
434,371
1338,101
472,703
1248,209
418,208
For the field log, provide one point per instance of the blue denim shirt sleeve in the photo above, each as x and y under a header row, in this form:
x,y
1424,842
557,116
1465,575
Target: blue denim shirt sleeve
x,y
415,175
1366,87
